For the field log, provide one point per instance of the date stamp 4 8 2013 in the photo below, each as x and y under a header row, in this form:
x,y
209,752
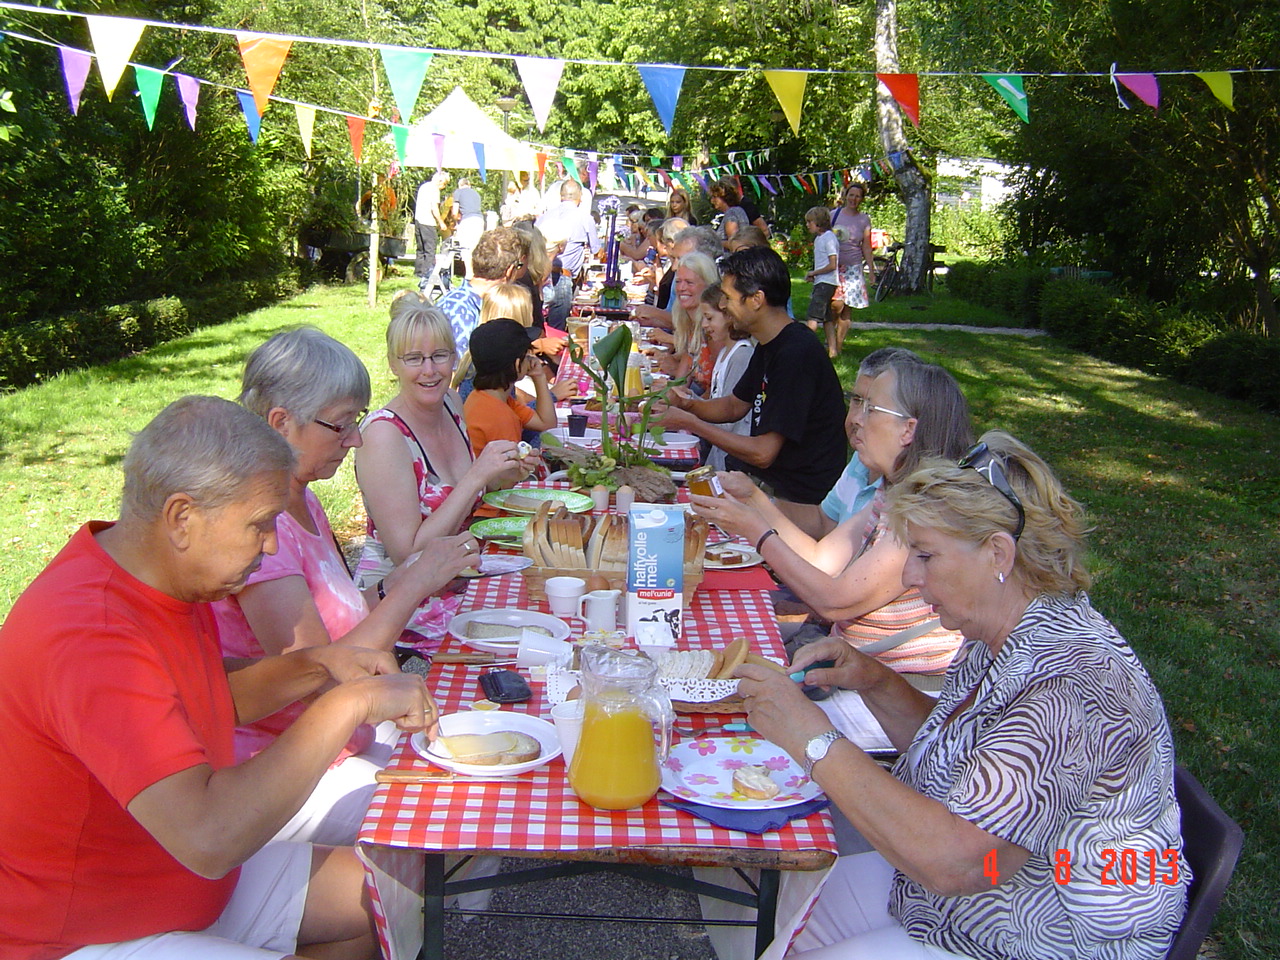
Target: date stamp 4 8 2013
x,y
1129,867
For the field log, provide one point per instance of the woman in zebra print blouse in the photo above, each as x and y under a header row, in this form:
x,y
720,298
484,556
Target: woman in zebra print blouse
x,y
1032,813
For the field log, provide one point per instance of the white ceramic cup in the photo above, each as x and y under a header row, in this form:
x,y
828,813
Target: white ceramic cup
x,y
537,649
563,594
567,717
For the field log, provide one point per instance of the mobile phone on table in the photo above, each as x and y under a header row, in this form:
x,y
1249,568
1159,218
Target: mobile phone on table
x,y
505,686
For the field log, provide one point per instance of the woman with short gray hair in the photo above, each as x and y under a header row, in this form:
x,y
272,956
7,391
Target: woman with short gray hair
x,y
312,390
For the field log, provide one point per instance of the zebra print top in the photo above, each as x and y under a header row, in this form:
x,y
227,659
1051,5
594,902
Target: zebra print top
x,y
1065,748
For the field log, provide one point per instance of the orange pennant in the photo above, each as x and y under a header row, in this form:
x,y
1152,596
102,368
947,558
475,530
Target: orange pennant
x,y
263,57
904,88
355,131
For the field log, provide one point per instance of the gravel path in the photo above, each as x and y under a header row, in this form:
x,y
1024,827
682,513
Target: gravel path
x,y
962,327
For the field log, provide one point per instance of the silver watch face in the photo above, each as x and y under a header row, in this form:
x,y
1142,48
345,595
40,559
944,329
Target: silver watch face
x,y
817,748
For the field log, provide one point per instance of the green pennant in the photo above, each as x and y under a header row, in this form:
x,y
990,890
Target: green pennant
x,y
755,184
406,69
150,82
400,132
796,180
571,166
654,161
1009,86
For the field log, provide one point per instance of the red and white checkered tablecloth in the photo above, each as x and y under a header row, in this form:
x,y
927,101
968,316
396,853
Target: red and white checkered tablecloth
x,y
538,812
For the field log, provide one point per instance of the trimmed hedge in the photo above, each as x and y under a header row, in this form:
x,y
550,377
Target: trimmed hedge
x,y
1129,330
37,351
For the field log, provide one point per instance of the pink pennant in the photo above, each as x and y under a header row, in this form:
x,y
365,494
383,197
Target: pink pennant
x,y
75,70
439,141
188,93
1144,86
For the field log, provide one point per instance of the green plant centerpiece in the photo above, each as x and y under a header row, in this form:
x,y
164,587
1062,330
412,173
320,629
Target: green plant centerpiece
x,y
621,458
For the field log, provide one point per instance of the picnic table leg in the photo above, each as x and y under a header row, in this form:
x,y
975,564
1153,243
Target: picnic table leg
x,y
433,908
766,909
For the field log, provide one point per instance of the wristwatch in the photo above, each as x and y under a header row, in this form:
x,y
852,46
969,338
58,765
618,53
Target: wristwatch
x,y
817,748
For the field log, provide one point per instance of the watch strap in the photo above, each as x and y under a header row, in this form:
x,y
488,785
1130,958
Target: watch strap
x,y
823,741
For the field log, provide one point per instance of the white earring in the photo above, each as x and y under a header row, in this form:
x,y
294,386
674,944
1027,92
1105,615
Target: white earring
x,y
1000,576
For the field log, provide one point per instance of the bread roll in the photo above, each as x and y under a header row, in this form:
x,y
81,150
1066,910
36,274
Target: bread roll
x,y
490,749
755,783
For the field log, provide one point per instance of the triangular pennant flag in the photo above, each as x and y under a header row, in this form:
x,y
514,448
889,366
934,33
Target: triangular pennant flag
x,y
252,118
643,179
400,134
406,69
263,57
754,184
150,82
767,185
666,180
306,125
355,133
905,89
484,174
541,159
1009,86
702,181
663,83
1144,86
113,41
796,181
571,167
677,163
1221,85
541,77
593,173
75,70
438,141
845,178
189,94
788,87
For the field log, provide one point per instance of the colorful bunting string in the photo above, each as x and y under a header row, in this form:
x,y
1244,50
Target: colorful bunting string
x,y
263,58
113,40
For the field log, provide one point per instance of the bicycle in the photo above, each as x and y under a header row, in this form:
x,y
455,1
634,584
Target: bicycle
x,y
889,271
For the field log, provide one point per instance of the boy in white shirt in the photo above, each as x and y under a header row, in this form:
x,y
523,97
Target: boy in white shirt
x,y
823,276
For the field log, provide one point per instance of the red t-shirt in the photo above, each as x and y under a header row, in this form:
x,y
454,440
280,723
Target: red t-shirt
x,y
488,418
107,686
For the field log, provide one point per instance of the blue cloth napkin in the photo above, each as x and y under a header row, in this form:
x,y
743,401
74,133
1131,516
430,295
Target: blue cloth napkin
x,y
750,821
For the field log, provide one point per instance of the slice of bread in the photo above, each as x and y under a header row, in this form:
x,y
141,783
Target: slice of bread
x,y
490,749
755,783
481,630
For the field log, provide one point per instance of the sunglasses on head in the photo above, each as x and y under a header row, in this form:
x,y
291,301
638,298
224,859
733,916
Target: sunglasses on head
x,y
990,466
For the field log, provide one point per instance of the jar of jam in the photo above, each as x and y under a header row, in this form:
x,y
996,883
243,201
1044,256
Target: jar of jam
x,y
704,482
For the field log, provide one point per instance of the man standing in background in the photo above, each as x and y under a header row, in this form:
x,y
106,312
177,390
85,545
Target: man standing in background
x,y
571,219
467,215
427,221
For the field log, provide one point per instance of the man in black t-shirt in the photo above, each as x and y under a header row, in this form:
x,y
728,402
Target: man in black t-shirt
x,y
797,443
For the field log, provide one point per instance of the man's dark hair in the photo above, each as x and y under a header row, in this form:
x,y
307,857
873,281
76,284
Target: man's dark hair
x,y
759,269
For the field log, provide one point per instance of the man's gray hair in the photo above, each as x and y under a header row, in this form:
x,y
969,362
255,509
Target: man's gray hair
x,y
704,240
206,447
303,370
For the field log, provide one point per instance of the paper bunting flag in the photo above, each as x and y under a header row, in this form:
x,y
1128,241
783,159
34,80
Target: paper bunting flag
x,y
788,87
593,173
677,163
252,118
1009,86
355,133
643,179
702,181
484,174
75,70
189,94
1143,85
905,89
406,69
768,186
541,159
150,82
755,185
541,77
663,83
571,168
306,125
1221,85
113,41
263,57
438,140
400,135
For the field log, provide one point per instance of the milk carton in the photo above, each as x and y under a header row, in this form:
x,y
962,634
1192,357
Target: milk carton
x,y
655,574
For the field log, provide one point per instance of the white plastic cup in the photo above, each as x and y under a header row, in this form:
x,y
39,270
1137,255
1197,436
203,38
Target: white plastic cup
x,y
537,649
567,718
563,594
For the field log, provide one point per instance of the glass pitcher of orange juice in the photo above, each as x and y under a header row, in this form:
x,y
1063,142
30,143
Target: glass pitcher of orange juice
x,y
616,764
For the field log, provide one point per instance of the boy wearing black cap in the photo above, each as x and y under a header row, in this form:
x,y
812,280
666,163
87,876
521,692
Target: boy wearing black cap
x,y
500,353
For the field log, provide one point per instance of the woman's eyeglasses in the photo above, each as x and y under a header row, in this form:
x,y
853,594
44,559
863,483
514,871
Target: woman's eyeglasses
x,y
869,407
341,428
440,358
991,467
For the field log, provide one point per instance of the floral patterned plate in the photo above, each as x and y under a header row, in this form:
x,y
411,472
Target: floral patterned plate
x,y
702,771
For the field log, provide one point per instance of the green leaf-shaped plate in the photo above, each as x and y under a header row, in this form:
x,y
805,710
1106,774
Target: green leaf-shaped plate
x,y
574,502
500,528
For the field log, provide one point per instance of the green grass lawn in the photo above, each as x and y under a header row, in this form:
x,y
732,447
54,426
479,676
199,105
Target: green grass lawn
x,y
1182,486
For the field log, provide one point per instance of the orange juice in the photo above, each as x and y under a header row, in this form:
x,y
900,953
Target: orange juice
x,y
615,766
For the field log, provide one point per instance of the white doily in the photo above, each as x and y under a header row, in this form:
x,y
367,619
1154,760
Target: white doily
x,y
560,682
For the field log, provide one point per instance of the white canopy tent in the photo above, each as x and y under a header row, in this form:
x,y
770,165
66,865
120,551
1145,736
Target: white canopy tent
x,y
463,125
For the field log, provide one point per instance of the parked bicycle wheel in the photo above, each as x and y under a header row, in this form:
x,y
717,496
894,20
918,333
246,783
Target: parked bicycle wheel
x,y
888,281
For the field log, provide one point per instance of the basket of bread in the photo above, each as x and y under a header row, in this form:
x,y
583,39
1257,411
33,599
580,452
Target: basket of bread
x,y
562,544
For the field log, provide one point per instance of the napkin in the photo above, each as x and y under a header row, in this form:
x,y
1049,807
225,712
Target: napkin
x,y
750,821
753,578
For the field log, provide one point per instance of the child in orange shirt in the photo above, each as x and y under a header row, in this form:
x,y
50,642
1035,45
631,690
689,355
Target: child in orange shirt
x,y
500,353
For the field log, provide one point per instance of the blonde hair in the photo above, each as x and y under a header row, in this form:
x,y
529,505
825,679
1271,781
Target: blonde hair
x,y
687,326
509,300
411,319
536,258
961,503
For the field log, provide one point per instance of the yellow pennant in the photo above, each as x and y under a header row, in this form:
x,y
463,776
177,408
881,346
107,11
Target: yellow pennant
x,y
1221,85
306,125
788,87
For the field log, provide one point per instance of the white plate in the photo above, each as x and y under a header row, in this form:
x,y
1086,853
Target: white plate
x,y
592,435
753,559
674,441
491,721
516,619
702,771
497,564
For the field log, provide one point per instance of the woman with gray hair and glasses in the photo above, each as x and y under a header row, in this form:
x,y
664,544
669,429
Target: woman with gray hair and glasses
x,y
313,390
1036,788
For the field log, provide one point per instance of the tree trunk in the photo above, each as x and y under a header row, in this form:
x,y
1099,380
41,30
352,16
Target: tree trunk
x,y
916,193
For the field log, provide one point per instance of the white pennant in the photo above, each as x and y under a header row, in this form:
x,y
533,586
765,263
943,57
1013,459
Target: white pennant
x,y
541,77
113,41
